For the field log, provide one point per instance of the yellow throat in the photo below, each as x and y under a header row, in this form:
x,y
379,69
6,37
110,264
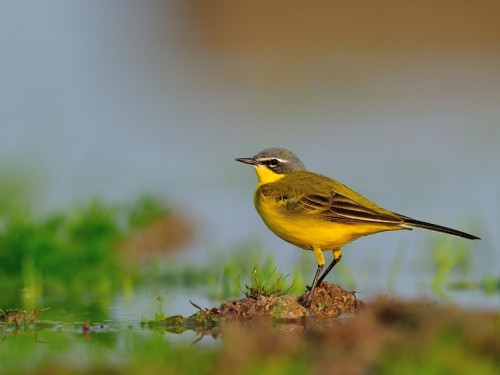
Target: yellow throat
x,y
266,176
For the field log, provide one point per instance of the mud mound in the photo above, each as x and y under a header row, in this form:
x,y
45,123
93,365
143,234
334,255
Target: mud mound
x,y
328,301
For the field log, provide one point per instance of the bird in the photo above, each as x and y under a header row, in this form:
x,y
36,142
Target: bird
x,y
317,213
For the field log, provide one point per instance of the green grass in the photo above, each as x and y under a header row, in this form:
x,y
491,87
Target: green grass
x,y
68,255
266,283
222,275
450,262
19,318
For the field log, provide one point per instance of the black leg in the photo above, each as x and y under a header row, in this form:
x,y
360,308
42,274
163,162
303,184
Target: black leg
x,y
315,282
337,255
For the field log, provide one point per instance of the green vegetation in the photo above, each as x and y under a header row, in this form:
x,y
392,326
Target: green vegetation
x,y
71,255
19,318
222,275
448,261
490,284
267,284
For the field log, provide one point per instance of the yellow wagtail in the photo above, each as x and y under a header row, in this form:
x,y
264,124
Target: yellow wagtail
x,y
317,213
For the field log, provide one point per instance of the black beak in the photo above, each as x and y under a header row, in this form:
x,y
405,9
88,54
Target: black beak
x,y
250,161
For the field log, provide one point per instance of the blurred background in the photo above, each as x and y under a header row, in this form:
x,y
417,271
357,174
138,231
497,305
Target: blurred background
x,y
399,100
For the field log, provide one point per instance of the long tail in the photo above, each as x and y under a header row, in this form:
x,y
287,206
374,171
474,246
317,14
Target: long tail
x,y
411,223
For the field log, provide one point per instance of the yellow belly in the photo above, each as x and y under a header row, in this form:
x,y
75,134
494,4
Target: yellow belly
x,y
306,230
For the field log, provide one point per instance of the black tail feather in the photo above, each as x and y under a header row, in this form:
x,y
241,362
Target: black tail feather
x,y
411,223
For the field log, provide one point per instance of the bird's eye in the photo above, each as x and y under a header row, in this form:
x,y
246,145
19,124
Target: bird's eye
x,y
272,162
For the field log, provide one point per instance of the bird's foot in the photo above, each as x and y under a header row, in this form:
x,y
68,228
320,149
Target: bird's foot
x,y
307,301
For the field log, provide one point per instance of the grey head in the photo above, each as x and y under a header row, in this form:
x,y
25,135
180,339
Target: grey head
x,y
278,160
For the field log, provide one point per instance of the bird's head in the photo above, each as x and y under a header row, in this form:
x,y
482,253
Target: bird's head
x,y
273,164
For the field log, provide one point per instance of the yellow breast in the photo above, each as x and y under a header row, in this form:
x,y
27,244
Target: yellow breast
x,y
305,230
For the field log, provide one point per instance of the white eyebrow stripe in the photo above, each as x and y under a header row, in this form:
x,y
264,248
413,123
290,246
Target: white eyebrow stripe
x,y
271,158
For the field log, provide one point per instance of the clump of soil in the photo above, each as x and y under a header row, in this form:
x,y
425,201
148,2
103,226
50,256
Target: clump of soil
x,y
328,303
285,308
331,301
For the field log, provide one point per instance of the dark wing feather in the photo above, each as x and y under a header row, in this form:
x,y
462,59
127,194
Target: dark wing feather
x,y
336,207
307,196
